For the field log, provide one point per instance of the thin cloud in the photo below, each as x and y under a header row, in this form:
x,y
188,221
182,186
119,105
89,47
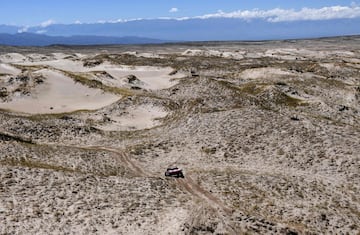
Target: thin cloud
x,y
47,23
272,15
173,10
41,31
23,29
118,21
281,15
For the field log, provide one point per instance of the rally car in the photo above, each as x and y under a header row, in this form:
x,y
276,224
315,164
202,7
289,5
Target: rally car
x,y
174,172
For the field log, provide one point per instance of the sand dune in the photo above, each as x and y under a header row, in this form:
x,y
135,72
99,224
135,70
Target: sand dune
x,y
59,94
154,78
8,69
134,118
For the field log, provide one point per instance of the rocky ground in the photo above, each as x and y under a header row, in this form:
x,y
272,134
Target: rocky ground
x,y
267,133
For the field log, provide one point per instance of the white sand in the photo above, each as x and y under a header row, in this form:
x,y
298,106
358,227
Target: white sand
x,y
8,69
60,93
259,73
61,64
135,118
154,78
12,58
214,53
143,54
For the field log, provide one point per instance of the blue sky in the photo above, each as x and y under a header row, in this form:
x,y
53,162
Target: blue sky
x,y
35,12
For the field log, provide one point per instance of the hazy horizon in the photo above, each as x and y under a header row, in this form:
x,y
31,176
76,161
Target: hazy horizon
x,y
183,20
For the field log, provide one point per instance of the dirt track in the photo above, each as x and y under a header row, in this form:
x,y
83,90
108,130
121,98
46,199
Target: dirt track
x,y
186,183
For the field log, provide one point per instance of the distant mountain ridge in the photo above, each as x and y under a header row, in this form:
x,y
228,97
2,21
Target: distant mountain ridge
x,y
32,39
163,30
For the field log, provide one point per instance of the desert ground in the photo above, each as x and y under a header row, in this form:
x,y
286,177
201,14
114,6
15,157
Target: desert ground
x,y
267,135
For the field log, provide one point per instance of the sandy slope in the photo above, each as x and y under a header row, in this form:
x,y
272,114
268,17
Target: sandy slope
x,y
59,94
154,78
8,69
134,118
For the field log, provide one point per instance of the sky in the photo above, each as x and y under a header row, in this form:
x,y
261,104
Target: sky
x,y
45,12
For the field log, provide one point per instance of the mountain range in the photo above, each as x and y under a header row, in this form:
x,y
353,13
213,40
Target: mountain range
x,y
166,30
33,39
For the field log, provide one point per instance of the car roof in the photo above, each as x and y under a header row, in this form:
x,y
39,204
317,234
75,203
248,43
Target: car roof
x,y
172,168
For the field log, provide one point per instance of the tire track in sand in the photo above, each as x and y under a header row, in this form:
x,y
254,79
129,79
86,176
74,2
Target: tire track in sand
x,y
186,183
124,158
196,190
